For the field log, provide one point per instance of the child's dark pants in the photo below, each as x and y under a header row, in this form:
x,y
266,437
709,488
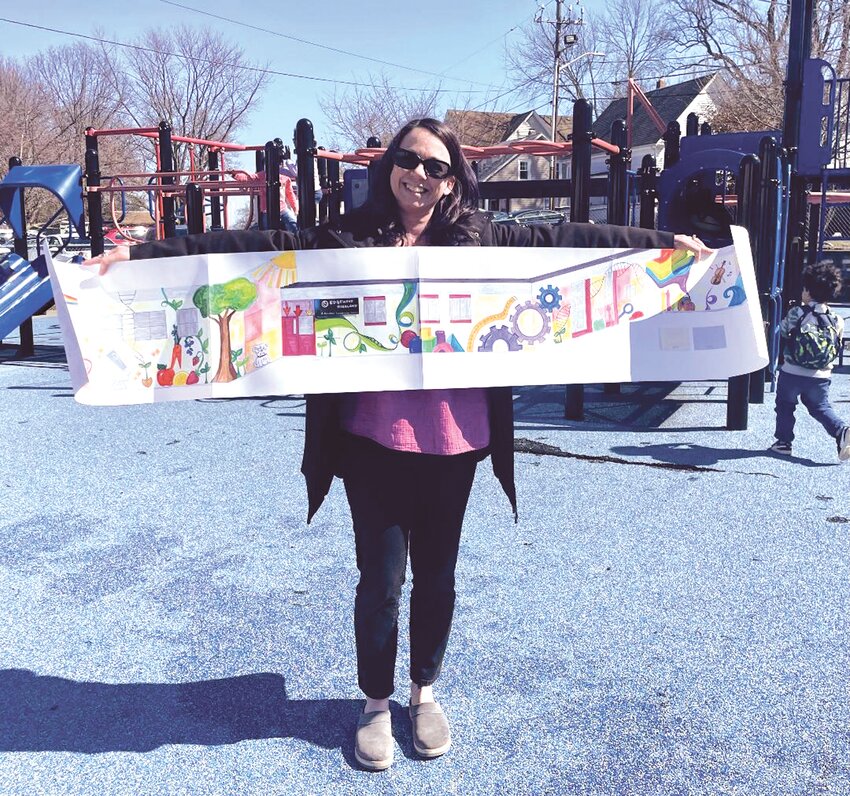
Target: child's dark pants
x,y
814,394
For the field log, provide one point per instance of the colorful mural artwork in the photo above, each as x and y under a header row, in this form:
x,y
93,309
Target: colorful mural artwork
x,y
254,324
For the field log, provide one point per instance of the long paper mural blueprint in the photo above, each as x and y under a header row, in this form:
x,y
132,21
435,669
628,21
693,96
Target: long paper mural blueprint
x,y
273,323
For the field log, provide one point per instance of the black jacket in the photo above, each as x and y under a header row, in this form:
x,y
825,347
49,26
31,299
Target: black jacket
x,y
356,230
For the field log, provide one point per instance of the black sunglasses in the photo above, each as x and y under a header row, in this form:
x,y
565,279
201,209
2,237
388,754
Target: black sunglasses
x,y
407,160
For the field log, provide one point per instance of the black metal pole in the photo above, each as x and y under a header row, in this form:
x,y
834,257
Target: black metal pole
x,y
93,198
215,199
166,164
260,164
582,151
737,406
335,186
618,176
672,144
372,142
305,153
274,152
579,212
194,208
745,387
648,192
322,164
26,347
799,50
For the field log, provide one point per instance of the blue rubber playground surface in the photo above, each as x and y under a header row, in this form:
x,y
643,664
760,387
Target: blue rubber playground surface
x,y
668,617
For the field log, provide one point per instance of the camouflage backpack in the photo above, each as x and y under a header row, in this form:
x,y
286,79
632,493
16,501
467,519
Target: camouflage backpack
x,y
813,342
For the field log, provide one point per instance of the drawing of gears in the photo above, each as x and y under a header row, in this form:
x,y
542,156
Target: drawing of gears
x,y
550,298
499,334
530,322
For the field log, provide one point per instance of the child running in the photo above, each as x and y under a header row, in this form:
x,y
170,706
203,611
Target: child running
x,y
813,334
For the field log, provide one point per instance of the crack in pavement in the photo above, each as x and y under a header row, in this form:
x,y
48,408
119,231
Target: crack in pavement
x,y
523,445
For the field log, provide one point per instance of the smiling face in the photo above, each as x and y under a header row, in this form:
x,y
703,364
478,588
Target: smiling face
x,y
416,193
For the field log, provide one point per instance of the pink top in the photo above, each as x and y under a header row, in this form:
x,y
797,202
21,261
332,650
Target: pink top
x,y
444,422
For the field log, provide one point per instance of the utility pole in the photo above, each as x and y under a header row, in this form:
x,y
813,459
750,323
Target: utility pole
x,y
561,41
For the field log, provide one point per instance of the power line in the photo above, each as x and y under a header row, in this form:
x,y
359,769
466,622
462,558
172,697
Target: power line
x,y
490,43
315,44
257,69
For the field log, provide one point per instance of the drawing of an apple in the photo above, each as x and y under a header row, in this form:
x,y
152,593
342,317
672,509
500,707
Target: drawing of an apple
x,y
164,376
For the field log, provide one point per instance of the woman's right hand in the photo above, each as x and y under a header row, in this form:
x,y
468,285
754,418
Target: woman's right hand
x,y
117,255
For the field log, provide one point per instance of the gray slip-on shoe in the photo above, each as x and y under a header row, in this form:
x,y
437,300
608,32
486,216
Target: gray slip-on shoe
x,y
431,736
373,742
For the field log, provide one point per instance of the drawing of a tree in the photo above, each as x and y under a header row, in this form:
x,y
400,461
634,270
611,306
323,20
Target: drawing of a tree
x,y
221,303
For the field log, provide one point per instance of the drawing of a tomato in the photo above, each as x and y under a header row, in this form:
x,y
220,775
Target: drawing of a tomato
x,y
164,376
192,378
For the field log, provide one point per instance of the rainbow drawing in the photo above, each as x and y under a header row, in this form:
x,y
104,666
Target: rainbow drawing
x,y
671,268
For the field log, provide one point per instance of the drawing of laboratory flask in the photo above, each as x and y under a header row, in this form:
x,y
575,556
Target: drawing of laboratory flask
x,y
441,346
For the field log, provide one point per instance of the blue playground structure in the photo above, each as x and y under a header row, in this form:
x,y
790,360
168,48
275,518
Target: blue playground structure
x,y
25,286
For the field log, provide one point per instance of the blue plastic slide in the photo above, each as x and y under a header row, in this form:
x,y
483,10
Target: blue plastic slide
x,y
24,286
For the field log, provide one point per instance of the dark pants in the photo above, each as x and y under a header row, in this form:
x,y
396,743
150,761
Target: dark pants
x,y
814,394
400,502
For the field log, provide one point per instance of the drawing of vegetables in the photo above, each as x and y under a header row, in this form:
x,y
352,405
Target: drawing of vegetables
x,y
176,349
221,302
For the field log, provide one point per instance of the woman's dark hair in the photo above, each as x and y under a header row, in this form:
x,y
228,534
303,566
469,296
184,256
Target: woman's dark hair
x,y
449,223
823,281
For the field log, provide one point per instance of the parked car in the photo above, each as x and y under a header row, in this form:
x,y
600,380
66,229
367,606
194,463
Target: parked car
x,y
500,217
531,217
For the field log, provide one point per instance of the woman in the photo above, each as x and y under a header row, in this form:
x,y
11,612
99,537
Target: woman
x,y
384,446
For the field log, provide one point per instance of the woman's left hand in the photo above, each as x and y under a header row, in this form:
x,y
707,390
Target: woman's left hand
x,y
693,244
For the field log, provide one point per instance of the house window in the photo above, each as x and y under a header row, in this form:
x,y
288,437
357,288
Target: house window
x,y
375,310
429,309
562,169
523,169
188,322
460,308
149,325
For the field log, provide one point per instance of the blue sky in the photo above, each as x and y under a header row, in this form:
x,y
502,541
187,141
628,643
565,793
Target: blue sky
x,y
465,40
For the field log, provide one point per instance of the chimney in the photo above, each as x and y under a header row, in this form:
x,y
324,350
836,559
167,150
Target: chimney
x,y
660,84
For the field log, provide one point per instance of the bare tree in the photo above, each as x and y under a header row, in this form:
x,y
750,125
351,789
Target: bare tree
x,y
630,33
23,117
377,109
76,86
191,78
748,40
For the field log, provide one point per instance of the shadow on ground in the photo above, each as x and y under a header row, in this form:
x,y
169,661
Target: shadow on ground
x,y
638,406
54,714
702,455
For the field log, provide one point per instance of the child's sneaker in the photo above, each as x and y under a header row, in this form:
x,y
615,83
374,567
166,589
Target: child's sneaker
x,y
784,448
842,442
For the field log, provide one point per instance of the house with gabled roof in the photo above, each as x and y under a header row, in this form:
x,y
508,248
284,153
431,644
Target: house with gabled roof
x,y
480,128
672,103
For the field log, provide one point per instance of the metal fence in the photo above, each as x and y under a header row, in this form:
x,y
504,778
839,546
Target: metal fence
x,y
841,126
